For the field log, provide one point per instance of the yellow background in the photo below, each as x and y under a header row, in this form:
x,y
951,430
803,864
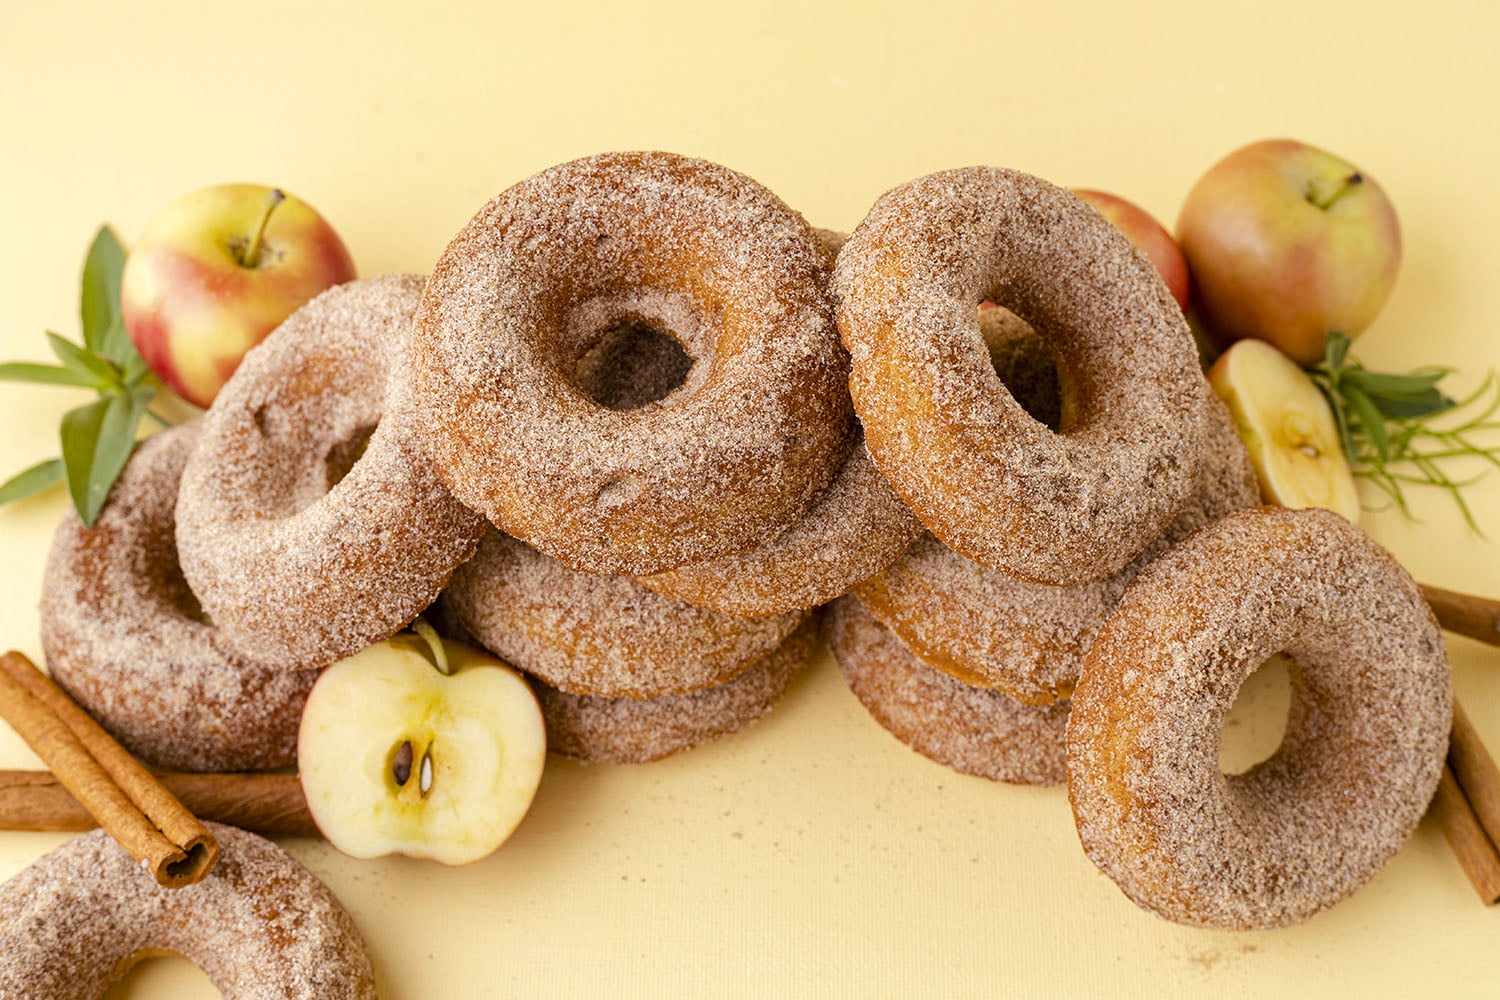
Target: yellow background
x,y
811,854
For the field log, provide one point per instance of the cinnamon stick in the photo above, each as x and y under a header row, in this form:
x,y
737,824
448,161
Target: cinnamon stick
x,y
1475,851
113,786
1475,771
1466,614
265,803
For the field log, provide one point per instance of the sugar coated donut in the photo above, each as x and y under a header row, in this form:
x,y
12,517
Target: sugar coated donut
x,y
259,925
993,483
545,272
1365,735
598,633
631,731
970,729
124,635
1029,639
856,528
310,524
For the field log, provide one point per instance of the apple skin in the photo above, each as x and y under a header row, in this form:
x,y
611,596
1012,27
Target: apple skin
x,y
1271,263
480,724
1147,234
193,309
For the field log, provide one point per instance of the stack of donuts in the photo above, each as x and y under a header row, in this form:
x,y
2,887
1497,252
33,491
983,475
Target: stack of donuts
x,y
642,421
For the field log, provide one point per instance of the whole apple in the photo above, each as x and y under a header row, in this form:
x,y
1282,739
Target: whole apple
x,y
420,746
1147,234
217,271
1287,242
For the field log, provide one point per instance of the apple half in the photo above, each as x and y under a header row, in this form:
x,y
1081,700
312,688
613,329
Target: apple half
x,y
1287,427
398,757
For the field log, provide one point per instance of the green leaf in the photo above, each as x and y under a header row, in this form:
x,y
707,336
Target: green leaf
x,y
32,480
1428,404
1335,349
96,442
117,348
27,371
1370,420
83,361
99,307
1394,386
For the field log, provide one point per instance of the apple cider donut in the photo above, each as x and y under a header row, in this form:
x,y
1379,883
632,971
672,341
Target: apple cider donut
x,y
124,635
545,271
1064,507
1365,735
259,925
856,528
631,731
598,633
1028,640
310,523
970,729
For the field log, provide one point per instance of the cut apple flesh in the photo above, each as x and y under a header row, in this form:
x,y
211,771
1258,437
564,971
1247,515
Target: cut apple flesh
x,y
397,758
1287,427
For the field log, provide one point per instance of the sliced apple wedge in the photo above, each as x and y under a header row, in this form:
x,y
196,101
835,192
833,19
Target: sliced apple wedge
x,y
398,757
1287,427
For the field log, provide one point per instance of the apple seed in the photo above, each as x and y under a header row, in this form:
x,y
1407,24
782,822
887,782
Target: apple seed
x,y
424,781
401,764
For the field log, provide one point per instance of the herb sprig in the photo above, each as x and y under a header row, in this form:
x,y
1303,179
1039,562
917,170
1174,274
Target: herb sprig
x,y
96,438
1398,429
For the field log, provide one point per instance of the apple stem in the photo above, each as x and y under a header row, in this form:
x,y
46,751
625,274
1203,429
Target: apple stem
x,y
434,645
1324,195
251,256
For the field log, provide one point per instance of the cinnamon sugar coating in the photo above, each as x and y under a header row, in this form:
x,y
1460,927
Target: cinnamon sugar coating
x,y
993,483
1028,640
598,633
856,528
1365,739
124,636
543,273
631,731
310,522
970,729
259,925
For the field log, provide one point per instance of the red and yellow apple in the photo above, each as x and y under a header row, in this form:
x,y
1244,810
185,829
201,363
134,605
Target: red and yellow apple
x,y
422,747
1288,428
217,271
1147,234
1287,242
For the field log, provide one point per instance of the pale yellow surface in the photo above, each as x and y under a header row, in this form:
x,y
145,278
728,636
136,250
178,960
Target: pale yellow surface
x,y
811,855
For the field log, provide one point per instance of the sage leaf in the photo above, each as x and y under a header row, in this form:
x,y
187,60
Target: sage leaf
x,y
97,439
27,371
99,305
32,480
83,361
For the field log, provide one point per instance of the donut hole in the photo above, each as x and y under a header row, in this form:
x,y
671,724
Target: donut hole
x,y
155,973
631,365
1024,363
340,458
1257,721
